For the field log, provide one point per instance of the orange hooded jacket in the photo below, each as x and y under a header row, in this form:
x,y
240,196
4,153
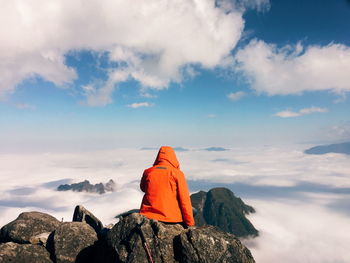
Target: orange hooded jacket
x,y
166,194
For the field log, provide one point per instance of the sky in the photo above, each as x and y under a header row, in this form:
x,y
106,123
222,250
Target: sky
x,y
106,74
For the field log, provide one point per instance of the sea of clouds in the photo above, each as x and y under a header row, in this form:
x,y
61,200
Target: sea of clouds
x,y
301,201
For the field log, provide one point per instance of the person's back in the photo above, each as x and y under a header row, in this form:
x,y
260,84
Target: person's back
x,y
166,194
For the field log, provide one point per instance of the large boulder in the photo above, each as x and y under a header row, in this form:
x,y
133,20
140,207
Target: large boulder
x,y
126,238
220,207
208,244
138,239
23,253
81,214
72,241
27,227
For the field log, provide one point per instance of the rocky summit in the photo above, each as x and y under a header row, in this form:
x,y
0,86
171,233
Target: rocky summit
x,y
133,239
220,207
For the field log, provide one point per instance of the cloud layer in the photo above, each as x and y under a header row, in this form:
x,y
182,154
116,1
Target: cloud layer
x,y
140,105
297,196
152,42
294,69
305,111
234,96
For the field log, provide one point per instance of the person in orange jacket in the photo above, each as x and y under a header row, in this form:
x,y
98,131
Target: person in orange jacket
x,y
166,193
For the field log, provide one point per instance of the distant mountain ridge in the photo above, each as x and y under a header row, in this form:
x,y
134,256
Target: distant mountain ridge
x,y
182,149
220,207
216,149
85,186
343,148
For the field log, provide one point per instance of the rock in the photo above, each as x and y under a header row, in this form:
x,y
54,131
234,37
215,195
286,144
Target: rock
x,y
72,240
125,238
85,186
127,213
198,202
28,225
110,186
40,239
134,239
81,214
23,253
208,244
220,207
168,243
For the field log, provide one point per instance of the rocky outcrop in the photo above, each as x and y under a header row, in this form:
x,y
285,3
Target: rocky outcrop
x,y
134,239
129,236
72,239
81,214
138,239
27,228
23,253
208,244
85,186
49,239
220,207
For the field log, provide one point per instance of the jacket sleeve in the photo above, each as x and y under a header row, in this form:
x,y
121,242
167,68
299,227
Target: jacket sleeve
x,y
184,199
143,183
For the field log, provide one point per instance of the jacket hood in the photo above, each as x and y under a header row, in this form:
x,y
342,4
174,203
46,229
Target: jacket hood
x,y
166,153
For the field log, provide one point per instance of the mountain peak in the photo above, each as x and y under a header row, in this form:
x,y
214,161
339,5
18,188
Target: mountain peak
x,y
220,207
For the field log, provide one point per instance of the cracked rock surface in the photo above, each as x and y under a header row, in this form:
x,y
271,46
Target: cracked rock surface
x,y
208,244
172,243
28,225
26,253
134,239
73,240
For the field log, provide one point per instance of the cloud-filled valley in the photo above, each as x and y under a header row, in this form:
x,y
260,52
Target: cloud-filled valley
x,y
301,200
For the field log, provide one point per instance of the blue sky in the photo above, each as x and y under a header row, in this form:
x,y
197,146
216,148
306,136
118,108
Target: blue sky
x,y
182,73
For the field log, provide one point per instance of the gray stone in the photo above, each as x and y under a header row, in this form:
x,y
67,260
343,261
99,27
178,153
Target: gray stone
x,y
26,226
209,244
81,214
125,237
72,241
23,253
135,235
86,186
40,239
221,208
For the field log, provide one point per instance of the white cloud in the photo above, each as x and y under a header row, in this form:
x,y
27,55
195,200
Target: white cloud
x,y
97,94
341,131
294,69
39,184
211,116
234,96
291,229
305,111
147,95
152,41
259,5
140,104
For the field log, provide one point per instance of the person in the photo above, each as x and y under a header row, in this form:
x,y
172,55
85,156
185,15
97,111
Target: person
x,y
166,195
